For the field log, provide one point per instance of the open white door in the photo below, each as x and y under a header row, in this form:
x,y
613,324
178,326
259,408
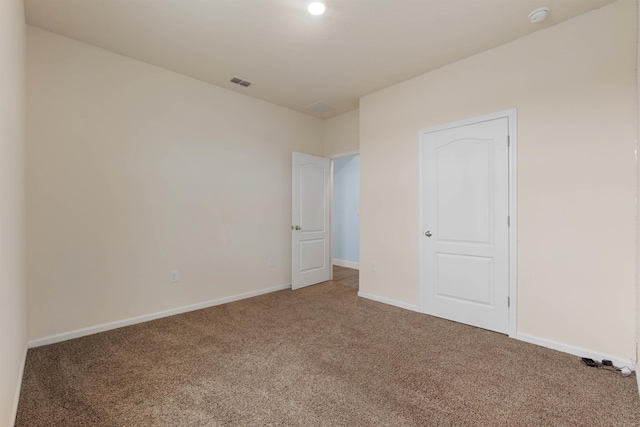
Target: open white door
x,y
310,231
465,219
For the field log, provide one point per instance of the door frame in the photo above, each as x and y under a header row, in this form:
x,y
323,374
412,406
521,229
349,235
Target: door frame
x,y
511,116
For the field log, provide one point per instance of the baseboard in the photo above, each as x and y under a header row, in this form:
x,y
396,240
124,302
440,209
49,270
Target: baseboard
x,y
16,398
52,339
389,301
576,351
347,264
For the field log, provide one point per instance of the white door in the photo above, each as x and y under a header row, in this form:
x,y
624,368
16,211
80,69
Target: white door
x,y
465,229
310,231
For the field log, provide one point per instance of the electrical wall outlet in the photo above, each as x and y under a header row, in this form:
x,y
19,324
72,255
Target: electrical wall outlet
x,y
173,277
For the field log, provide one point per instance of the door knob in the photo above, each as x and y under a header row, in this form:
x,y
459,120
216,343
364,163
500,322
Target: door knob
x,y
297,227
427,233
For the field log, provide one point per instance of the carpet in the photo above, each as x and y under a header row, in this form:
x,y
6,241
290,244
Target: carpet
x,y
318,356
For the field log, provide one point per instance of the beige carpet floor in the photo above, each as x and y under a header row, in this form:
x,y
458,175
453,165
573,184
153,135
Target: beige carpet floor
x,y
319,356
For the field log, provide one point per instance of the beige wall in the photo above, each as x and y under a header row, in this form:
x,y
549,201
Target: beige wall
x,y
341,134
134,171
574,87
13,329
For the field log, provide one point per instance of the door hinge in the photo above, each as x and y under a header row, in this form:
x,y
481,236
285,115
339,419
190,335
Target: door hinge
x,y
508,220
508,141
508,301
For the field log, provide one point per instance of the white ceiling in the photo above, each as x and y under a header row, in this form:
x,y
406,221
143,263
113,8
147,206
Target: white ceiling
x,y
293,58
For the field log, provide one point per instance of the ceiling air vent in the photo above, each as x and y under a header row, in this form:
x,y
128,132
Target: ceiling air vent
x,y
241,82
320,107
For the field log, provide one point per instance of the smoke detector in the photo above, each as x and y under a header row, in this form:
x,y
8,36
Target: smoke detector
x,y
538,15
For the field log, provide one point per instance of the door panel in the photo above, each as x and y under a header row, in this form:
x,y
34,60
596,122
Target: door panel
x,y
312,200
310,260
312,255
464,210
465,278
464,214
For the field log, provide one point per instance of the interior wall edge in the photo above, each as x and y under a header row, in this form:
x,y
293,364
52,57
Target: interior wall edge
x,y
13,308
14,410
637,313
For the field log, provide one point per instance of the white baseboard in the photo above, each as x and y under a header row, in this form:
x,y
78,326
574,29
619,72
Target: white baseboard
x,y
16,399
389,301
347,264
618,362
139,319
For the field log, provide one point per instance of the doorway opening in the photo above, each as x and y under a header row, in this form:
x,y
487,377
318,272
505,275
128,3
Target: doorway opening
x,y
345,219
325,218
345,209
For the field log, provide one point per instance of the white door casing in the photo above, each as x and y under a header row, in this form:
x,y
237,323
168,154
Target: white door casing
x,y
465,215
310,230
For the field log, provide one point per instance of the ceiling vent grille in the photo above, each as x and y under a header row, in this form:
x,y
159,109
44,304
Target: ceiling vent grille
x,y
241,82
320,107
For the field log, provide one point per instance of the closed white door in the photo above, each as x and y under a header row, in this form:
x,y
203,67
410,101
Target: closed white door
x,y
311,246
465,224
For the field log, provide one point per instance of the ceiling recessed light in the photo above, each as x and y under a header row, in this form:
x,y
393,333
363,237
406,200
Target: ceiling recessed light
x,y
316,8
538,15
